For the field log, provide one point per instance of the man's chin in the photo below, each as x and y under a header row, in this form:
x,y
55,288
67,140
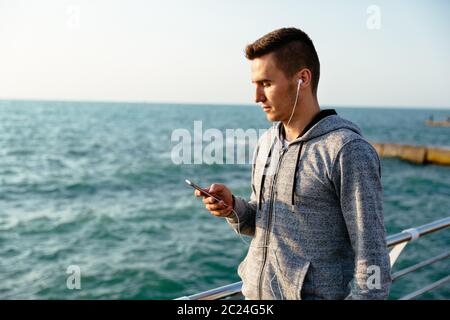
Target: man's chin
x,y
272,117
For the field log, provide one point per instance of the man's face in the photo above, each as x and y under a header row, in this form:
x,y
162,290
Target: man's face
x,y
274,91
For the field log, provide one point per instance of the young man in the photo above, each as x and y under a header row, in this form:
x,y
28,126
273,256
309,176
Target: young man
x,y
315,214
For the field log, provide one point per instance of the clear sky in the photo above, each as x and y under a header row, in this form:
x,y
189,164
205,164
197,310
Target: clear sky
x,y
394,54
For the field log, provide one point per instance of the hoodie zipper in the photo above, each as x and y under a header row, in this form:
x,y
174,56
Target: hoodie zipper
x,y
269,221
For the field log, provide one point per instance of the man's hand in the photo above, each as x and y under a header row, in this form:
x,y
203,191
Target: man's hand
x,y
217,209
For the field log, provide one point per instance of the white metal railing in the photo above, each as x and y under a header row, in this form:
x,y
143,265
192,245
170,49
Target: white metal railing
x,y
396,241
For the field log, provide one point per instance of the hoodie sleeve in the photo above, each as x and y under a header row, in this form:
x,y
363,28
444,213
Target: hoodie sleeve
x,y
244,222
246,211
357,178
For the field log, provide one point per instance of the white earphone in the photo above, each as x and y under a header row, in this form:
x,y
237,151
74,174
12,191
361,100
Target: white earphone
x,y
299,83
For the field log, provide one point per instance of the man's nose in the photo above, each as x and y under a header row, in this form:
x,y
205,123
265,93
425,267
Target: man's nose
x,y
259,96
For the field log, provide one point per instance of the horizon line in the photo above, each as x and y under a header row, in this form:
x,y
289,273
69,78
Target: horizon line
x,y
231,104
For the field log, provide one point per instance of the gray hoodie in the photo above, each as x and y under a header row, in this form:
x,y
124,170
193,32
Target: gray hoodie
x,y
315,217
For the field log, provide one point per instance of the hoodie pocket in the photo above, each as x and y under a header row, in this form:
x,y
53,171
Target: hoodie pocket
x,y
292,278
248,271
241,267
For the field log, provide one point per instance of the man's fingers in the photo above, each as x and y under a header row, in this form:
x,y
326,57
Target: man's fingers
x,y
200,194
216,188
216,206
221,213
217,209
209,200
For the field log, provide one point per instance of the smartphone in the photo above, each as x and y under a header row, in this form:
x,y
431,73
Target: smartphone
x,y
193,185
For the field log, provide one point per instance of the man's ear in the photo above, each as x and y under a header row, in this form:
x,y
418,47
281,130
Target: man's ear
x,y
304,75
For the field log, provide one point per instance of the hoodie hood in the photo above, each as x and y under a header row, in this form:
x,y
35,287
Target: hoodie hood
x,y
325,125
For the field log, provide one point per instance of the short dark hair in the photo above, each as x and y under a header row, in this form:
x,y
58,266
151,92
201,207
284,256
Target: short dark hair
x,y
293,50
